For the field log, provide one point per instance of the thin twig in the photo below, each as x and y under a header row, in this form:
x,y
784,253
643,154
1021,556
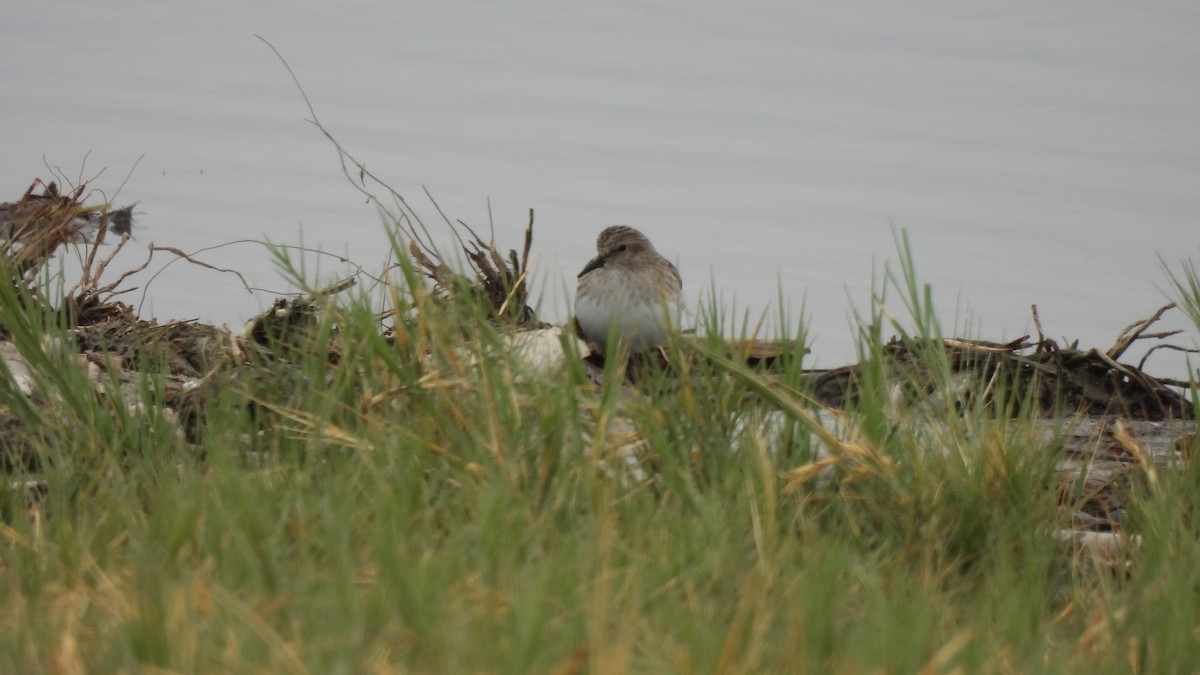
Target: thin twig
x,y
89,280
1185,350
408,214
128,273
103,265
180,254
1133,332
499,280
359,270
1037,323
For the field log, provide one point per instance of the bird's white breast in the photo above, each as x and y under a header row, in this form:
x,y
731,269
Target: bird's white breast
x,y
640,319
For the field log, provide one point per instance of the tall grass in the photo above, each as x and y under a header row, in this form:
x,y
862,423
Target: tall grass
x,y
432,503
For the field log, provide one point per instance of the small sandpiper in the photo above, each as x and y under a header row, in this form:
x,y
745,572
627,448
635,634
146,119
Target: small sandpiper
x,y
630,288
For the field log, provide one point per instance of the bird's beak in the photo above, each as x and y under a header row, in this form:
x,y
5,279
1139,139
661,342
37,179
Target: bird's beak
x,y
595,263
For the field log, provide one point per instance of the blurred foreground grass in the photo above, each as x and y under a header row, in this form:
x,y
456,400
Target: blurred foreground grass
x,y
437,503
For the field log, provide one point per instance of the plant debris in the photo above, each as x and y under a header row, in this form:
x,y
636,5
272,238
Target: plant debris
x,y
36,225
498,282
1060,379
114,345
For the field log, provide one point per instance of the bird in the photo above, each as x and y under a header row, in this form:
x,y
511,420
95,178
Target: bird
x,y
628,288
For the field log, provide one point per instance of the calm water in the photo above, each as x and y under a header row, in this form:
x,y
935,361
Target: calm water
x,y
1047,156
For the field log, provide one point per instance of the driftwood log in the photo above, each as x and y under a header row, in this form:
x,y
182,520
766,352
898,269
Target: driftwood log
x,y
1058,378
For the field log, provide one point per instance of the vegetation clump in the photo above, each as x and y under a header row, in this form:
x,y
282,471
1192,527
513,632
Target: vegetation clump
x,y
411,473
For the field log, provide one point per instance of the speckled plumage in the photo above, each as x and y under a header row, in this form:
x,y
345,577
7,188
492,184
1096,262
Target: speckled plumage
x,y
630,286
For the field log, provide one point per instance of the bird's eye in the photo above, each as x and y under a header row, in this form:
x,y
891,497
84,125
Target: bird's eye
x,y
622,247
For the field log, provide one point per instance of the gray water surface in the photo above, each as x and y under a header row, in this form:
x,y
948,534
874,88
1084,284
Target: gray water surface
x,y
1043,155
